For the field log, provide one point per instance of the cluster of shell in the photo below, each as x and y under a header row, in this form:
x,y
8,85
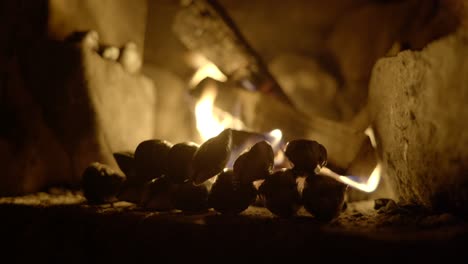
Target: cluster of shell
x,y
162,176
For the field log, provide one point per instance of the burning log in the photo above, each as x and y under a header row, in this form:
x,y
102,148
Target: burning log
x,y
204,27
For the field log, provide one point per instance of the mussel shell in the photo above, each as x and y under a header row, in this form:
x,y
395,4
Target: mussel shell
x,y
126,162
211,157
179,161
323,197
157,194
256,163
190,198
229,196
101,183
305,154
280,193
151,159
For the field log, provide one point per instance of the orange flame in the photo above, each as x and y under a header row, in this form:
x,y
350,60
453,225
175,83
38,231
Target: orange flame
x,y
372,182
211,121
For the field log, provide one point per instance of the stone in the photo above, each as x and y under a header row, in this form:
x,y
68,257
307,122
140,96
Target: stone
x,y
418,101
309,85
110,53
130,59
84,108
116,22
366,33
381,203
62,100
30,153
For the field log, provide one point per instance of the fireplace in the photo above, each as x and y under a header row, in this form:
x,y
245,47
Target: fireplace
x,y
368,95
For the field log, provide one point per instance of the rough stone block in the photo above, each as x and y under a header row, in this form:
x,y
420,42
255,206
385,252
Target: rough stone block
x,y
418,101
69,107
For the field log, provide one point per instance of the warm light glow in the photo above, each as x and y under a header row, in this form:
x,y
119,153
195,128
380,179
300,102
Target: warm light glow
x,y
370,133
210,120
372,182
207,70
276,136
369,186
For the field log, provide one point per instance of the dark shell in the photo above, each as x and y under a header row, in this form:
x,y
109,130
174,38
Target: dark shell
x,y
126,162
179,161
151,159
131,192
211,157
157,194
256,163
280,194
305,154
190,198
101,183
229,196
323,197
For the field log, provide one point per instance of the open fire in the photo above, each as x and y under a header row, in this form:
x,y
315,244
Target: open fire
x,y
211,121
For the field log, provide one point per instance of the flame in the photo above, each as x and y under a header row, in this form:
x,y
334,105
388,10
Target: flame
x,y
372,182
370,133
275,138
210,120
207,70
369,186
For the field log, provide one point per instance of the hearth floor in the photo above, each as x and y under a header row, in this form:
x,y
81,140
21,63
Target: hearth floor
x,y
58,226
